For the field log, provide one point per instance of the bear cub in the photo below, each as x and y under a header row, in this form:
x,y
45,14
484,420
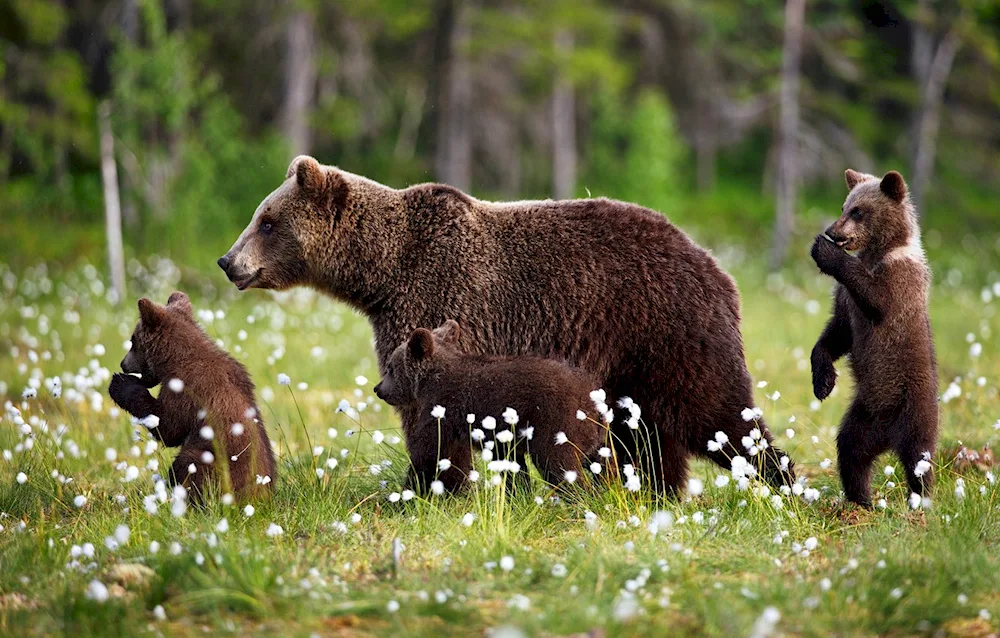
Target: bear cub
x,y
206,402
880,319
557,423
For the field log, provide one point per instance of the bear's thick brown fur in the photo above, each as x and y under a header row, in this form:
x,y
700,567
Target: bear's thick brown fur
x,y
548,396
607,286
168,344
880,318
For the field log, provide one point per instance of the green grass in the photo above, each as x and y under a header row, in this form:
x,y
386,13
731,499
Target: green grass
x,y
715,570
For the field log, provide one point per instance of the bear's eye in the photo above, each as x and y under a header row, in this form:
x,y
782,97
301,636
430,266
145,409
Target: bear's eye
x,y
856,213
266,228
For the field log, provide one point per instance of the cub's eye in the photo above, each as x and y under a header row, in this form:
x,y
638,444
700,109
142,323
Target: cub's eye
x,y
856,213
266,228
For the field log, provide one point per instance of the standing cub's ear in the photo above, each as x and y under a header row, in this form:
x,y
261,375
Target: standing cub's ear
x,y
853,178
893,186
180,303
421,344
308,173
150,314
448,332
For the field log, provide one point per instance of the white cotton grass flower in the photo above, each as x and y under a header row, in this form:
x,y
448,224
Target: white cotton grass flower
x,y
766,623
437,412
596,467
510,416
22,478
79,500
922,467
751,414
361,380
489,423
175,385
477,435
392,606
561,438
604,453
570,476
507,563
952,392
437,487
284,379
695,486
505,436
274,530
468,519
249,510
444,464
97,591
581,415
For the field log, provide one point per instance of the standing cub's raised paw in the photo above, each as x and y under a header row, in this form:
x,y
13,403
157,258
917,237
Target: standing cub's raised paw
x,y
826,254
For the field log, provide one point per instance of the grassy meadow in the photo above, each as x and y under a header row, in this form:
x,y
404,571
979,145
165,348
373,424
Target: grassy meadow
x,y
88,548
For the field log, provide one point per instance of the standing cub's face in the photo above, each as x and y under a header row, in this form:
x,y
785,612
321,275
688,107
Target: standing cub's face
x,y
876,213
277,248
151,336
416,358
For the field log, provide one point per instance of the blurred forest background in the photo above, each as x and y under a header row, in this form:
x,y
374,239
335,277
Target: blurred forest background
x,y
735,118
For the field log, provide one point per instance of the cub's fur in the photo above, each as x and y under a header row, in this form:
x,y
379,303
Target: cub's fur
x,y
430,370
167,344
609,287
880,318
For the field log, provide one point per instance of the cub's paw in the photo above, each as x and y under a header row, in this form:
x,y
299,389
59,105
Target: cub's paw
x,y
130,395
826,254
824,375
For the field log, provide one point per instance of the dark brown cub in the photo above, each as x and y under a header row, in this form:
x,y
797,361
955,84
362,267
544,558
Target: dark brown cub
x,y
512,406
880,319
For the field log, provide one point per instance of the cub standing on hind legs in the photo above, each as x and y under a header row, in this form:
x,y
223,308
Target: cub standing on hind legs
x,y
200,384
880,318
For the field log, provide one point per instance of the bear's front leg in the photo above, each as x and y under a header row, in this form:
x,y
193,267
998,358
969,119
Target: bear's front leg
x,y
828,256
131,396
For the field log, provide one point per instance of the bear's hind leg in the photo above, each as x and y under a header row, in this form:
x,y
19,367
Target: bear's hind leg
x,y
915,441
860,440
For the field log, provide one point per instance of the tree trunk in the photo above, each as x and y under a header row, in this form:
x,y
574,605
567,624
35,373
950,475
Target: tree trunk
x,y
300,81
932,81
453,163
788,130
112,206
563,125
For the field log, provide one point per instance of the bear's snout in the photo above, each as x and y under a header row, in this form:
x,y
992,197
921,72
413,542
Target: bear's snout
x,y
378,390
224,263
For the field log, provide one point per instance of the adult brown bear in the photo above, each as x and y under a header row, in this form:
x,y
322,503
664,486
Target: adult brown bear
x,y
607,286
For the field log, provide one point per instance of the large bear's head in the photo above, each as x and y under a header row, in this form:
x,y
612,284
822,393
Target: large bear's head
x,y
161,330
293,232
877,214
422,355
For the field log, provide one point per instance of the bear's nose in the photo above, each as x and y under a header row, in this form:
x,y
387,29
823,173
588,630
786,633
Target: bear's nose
x,y
378,390
224,263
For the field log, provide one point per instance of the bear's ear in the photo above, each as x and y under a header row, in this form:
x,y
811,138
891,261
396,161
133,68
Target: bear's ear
x,y
149,313
421,344
179,302
853,178
449,332
308,173
893,186
326,187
